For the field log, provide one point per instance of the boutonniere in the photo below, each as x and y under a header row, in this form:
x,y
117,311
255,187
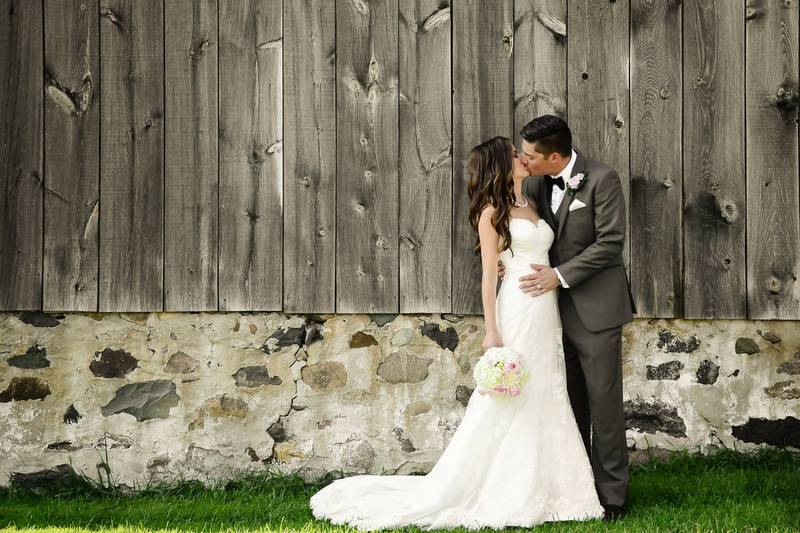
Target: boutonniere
x,y
575,182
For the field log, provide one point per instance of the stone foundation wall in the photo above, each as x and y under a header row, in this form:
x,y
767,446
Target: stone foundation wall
x,y
213,395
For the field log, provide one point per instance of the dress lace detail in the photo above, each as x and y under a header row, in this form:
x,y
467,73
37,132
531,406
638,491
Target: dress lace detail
x,y
517,463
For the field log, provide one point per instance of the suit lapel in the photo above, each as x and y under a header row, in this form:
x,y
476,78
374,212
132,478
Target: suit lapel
x,y
544,203
563,209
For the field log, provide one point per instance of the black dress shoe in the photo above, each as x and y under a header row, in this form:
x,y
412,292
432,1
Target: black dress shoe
x,y
612,513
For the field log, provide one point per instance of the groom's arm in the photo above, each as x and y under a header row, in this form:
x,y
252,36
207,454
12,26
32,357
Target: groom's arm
x,y
609,224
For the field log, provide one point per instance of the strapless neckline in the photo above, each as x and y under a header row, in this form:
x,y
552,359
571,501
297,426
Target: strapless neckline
x,y
536,224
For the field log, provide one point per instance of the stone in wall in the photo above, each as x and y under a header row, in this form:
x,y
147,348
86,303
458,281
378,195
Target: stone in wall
x,y
356,455
41,320
362,340
405,444
284,336
402,367
111,363
277,431
59,477
707,372
417,408
769,336
463,394
446,339
653,416
255,376
673,343
324,376
181,363
25,388
746,345
402,337
782,432
382,319
145,400
62,445
71,415
668,370
221,406
785,390
791,367
34,357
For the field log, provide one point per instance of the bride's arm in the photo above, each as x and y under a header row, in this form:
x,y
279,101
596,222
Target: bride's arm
x,y
489,238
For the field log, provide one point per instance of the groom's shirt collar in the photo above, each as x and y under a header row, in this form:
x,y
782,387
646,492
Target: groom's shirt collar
x,y
566,172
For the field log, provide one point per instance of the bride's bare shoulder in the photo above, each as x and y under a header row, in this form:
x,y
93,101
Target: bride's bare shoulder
x,y
487,211
485,219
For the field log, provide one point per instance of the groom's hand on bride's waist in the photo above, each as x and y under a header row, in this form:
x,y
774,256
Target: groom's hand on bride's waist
x,y
543,279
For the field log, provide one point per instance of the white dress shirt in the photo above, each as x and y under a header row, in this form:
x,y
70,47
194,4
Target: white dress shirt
x,y
557,196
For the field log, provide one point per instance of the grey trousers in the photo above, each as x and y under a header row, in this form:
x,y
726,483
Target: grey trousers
x,y
594,382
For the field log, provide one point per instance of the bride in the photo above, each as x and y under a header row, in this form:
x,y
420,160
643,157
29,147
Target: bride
x,y
517,462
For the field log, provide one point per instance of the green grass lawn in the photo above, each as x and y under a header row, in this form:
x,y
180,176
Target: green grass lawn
x,y
727,491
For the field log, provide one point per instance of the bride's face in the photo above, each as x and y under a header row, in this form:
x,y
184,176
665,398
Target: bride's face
x,y
520,167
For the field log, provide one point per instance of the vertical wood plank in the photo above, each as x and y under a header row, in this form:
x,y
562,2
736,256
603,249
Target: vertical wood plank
x,y
540,60
309,218
71,152
131,155
366,157
656,192
483,80
425,156
250,158
21,160
598,88
713,164
773,200
191,168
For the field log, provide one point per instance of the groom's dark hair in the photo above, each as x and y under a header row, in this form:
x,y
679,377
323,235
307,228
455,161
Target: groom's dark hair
x,y
550,133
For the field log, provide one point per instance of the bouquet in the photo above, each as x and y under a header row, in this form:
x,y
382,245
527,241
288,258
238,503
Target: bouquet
x,y
499,373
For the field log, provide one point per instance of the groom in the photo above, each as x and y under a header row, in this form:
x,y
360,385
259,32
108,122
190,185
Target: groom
x,y
582,201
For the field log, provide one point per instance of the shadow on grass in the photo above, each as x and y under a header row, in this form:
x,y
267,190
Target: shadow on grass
x,y
727,490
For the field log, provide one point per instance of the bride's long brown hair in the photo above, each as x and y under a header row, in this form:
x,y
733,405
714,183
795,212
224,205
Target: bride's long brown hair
x,y
490,165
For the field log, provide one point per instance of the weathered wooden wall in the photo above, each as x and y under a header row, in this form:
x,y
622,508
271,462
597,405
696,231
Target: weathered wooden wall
x,y
309,155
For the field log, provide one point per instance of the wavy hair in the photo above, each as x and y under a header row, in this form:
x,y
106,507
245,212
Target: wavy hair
x,y
490,165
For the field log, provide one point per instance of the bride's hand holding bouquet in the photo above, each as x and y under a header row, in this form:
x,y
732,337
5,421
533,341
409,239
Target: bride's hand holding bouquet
x,y
499,373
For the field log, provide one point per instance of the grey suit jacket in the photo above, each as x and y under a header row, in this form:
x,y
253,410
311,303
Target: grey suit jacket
x,y
588,245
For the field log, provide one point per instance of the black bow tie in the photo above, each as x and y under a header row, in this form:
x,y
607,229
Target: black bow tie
x,y
557,181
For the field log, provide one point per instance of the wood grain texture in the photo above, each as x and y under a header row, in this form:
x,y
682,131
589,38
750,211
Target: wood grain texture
x,y
309,217
72,155
191,192
540,60
250,155
483,80
598,107
141,159
656,194
366,157
426,171
21,159
713,160
773,205
131,156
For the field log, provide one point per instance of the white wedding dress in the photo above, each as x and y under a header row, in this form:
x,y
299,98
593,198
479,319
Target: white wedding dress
x,y
518,462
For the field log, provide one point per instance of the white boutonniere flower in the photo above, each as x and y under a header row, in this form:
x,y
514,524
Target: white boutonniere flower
x,y
575,182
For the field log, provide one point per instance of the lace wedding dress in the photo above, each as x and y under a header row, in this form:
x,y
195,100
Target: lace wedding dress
x,y
518,462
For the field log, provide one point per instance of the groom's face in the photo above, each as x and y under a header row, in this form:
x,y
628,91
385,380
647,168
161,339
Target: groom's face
x,y
539,164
